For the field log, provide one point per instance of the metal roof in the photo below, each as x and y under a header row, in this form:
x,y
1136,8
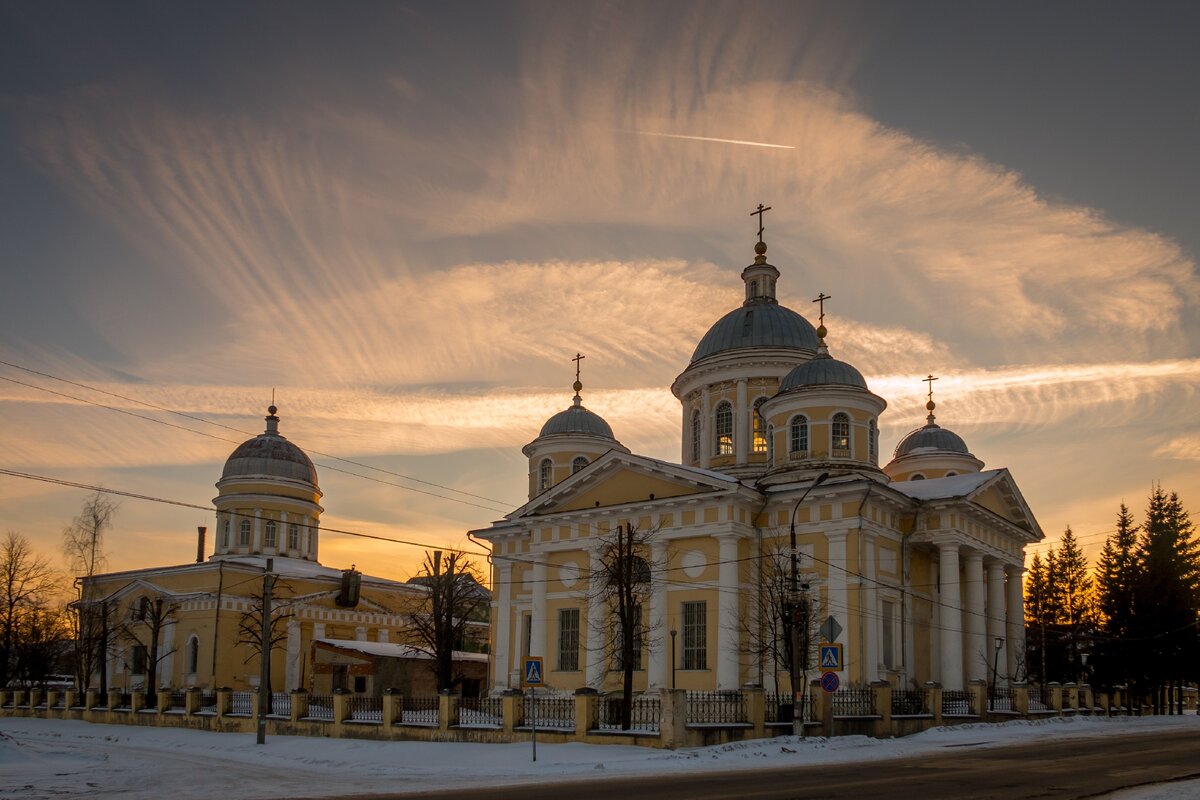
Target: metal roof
x,y
577,419
822,371
931,438
272,455
757,324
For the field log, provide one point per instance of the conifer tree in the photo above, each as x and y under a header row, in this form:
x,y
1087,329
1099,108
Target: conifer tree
x,y
1118,574
1037,616
1072,591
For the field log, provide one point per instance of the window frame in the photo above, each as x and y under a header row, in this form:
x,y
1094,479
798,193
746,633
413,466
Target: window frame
x,y
244,533
293,536
841,418
697,435
568,639
545,474
576,465
723,441
270,534
758,427
693,615
798,434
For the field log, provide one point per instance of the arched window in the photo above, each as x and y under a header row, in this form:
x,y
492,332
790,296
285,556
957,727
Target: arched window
x,y
752,292
312,541
951,474
293,537
269,537
244,533
840,432
873,442
798,434
770,442
544,475
696,436
193,654
724,429
225,533
578,463
144,610
760,424
917,477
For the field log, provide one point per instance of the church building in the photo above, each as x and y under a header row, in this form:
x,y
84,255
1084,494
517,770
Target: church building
x,y
912,566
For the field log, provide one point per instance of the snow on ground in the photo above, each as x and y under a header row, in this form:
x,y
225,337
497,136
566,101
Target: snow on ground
x,y
1177,790
42,758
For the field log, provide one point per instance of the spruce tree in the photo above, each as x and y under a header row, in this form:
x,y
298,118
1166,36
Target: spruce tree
x,y
1073,599
1037,616
1118,574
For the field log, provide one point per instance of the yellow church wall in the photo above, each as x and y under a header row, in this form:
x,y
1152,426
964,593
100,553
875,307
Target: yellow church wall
x,y
992,501
625,487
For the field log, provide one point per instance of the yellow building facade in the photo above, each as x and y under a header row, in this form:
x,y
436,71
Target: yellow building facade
x,y
913,567
191,624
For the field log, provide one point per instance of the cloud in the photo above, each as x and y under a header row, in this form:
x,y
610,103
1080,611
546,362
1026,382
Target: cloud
x,y
1186,447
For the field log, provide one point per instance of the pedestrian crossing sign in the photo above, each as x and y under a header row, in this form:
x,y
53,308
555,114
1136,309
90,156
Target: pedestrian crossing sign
x,y
532,675
829,656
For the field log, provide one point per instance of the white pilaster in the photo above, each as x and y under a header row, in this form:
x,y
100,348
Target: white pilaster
x,y
706,430
658,674
839,601
950,617
166,667
978,653
291,667
256,536
360,633
596,623
869,602
503,635
996,614
728,623
741,431
539,625
381,635
1016,624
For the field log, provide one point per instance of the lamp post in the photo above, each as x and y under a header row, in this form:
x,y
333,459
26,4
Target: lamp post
x,y
995,674
673,632
790,620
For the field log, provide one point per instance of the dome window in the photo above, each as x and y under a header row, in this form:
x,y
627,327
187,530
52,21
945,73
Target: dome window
x,y
244,533
760,441
951,474
917,477
724,427
798,434
544,475
269,539
225,533
840,433
752,290
293,537
578,463
770,442
696,436
873,442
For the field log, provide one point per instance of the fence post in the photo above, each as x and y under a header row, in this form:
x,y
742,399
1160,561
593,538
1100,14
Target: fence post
x,y
393,707
70,699
585,710
164,701
90,698
35,697
4,695
979,697
299,705
447,710
1087,700
512,708
822,707
672,727
224,701
114,700
881,700
1117,696
18,697
1020,698
1054,701
933,695
341,708
1070,698
191,701
137,701
756,710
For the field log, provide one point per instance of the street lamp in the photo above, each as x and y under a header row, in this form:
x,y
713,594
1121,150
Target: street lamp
x,y
995,674
790,620
673,632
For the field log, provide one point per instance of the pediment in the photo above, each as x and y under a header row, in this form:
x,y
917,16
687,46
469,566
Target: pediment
x,y
621,478
1002,497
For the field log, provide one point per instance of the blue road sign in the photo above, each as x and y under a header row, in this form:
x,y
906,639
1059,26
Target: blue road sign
x,y
830,682
830,656
533,671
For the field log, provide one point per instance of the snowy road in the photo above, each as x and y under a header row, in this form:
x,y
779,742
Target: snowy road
x,y
66,759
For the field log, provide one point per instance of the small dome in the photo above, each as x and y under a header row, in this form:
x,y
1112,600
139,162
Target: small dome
x,y
577,419
764,324
931,438
272,455
822,371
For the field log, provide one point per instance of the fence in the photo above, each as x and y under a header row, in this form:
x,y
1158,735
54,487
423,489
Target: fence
x,y
207,704
364,708
420,710
853,703
645,713
551,711
957,703
481,712
909,702
241,704
320,706
177,704
1000,698
777,708
716,708
281,704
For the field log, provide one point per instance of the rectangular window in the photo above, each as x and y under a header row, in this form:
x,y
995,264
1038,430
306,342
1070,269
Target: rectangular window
x,y
887,642
293,536
568,640
695,635
526,633
138,660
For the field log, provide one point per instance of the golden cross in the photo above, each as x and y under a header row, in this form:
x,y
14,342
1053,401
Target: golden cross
x,y
930,381
759,214
821,298
577,359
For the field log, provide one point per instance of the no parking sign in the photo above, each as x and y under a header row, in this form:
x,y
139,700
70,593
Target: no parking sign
x,y
830,682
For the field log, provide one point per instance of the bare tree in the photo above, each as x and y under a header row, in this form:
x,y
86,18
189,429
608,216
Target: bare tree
x,y
440,624
623,585
250,626
83,547
42,645
27,585
148,618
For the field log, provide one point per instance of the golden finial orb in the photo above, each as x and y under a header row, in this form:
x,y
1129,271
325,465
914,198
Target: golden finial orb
x,y
577,386
760,248
821,331
930,406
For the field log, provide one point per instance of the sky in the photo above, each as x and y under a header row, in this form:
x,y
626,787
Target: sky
x,y
406,218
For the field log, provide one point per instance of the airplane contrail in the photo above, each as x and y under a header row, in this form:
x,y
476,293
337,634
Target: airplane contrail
x,y
712,139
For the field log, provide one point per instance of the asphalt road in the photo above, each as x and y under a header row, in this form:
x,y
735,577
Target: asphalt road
x,y
1067,768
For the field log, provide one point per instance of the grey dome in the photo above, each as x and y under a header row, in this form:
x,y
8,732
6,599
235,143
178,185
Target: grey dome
x,y
822,371
932,437
757,325
577,419
272,455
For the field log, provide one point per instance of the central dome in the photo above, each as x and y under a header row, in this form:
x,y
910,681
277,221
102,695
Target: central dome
x,y
270,454
931,438
577,419
757,325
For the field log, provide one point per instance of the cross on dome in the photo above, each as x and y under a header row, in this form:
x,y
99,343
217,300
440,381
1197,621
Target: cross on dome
x,y
930,406
577,386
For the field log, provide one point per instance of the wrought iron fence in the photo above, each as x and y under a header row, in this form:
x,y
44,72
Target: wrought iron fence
x,y
178,702
365,708
481,712
281,704
909,702
1001,698
60,700
551,711
777,708
320,706
241,704
1039,699
957,703
645,713
853,703
207,704
716,708
124,701
420,710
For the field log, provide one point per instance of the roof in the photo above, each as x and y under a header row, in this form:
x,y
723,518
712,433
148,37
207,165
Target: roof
x,y
945,488
822,371
577,419
272,455
757,325
395,650
930,439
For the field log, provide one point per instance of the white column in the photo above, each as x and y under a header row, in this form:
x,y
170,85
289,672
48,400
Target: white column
x,y
868,594
996,615
360,633
503,607
977,648
596,624
658,674
318,630
291,667
1016,624
381,635
539,625
741,432
839,601
256,536
706,430
166,667
728,623
950,617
